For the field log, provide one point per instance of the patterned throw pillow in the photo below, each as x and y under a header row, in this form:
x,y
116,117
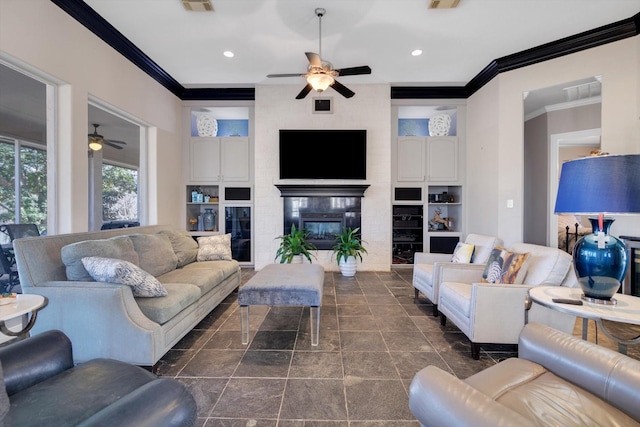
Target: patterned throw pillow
x,y
214,248
463,252
112,270
505,267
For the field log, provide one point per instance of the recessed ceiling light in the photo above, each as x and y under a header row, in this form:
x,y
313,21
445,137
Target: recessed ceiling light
x,y
416,52
228,54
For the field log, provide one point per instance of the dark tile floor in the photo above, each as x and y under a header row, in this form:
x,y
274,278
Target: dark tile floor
x,y
373,339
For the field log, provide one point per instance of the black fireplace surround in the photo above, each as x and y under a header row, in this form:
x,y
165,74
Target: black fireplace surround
x,y
322,210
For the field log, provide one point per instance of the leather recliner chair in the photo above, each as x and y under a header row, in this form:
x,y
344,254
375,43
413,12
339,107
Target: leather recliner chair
x,y
44,388
556,380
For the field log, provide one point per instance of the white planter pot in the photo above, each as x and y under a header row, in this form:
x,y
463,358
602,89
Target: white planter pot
x,y
297,259
348,268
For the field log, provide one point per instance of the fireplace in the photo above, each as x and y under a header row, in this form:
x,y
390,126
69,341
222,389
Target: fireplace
x,y
322,211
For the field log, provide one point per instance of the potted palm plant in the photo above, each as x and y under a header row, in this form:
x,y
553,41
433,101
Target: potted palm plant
x,y
294,246
347,249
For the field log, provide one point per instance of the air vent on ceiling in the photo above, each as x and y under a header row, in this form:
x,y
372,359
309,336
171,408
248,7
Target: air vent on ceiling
x,y
198,5
443,4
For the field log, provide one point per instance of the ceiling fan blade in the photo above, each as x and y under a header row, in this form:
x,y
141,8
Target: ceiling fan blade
x,y
314,59
115,141
304,92
354,71
342,89
285,75
110,144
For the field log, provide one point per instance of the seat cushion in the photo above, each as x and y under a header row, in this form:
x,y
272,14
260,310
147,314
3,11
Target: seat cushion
x,y
542,396
162,309
204,278
226,267
72,396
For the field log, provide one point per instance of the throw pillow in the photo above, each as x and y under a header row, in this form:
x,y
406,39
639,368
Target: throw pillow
x,y
505,267
155,253
119,247
185,248
214,248
112,270
463,252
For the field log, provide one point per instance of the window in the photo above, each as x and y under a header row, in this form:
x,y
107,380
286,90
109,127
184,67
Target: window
x,y
119,193
23,183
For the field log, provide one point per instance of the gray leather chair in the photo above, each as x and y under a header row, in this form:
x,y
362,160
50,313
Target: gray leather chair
x,y
556,380
42,387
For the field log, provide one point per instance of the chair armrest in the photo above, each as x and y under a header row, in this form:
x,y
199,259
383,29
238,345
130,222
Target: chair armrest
x,y
33,360
430,258
457,272
498,312
163,402
437,398
608,374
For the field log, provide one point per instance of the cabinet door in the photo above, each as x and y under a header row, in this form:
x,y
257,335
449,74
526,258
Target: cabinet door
x,y
205,159
442,155
234,164
410,158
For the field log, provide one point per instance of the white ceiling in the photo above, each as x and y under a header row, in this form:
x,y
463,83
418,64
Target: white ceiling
x,y
271,36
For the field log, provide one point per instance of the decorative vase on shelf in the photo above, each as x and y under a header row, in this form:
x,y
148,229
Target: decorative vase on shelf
x,y
600,262
209,219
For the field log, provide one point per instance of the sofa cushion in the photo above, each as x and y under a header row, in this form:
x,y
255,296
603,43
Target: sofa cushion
x,y
546,265
213,248
185,248
119,247
179,296
204,278
227,267
155,253
112,270
463,252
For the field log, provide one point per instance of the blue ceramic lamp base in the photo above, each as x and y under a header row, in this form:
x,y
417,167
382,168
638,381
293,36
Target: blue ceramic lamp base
x,y
600,262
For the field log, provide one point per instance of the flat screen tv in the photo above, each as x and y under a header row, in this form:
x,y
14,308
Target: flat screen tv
x,y
323,154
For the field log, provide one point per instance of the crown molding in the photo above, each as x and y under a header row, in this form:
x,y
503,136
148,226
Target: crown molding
x,y
88,17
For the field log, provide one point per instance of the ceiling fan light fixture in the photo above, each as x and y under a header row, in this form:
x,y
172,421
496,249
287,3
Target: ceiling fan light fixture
x,y
320,81
95,145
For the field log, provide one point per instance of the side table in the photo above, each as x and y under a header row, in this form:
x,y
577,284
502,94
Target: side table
x,y
24,305
627,310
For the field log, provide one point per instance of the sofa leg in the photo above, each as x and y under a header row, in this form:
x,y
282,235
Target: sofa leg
x,y
435,310
443,320
415,295
475,350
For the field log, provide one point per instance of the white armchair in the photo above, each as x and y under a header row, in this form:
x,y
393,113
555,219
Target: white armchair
x,y
426,268
489,313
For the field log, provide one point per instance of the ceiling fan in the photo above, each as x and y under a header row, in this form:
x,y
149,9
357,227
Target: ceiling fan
x,y
321,74
96,140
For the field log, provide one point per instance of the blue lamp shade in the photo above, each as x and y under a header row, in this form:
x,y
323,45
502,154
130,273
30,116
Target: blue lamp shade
x,y
598,185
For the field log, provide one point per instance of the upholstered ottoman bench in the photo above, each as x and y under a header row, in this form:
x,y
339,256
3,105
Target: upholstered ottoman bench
x,y
284,284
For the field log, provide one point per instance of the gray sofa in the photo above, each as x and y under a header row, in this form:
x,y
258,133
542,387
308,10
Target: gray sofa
x,y
556,380
105,320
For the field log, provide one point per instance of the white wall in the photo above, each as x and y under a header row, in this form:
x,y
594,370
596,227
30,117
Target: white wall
x,y
276,108
40,36
495,131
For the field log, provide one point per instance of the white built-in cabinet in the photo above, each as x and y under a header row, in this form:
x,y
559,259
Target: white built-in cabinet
x,y
219,159
427,158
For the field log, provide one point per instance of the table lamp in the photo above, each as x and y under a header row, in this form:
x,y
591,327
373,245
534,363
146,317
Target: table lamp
x,y
598,185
